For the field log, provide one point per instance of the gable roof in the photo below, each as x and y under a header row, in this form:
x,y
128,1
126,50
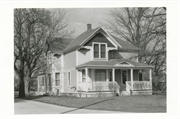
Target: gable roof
x,y
76,43
78,40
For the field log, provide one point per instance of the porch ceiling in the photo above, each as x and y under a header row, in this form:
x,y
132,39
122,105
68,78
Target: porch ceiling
x,y
114,63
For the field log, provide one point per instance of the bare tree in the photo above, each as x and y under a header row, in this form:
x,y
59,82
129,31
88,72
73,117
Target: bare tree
x,y
146,29
32,29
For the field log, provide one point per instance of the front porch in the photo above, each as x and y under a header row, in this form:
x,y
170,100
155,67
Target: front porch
x,y
124,81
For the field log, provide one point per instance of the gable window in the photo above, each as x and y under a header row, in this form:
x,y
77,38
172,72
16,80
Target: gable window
x,y
57,76
103,51
99,50
69,78
96,50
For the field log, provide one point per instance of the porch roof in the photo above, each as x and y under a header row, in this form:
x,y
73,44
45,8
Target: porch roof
x,y
114,63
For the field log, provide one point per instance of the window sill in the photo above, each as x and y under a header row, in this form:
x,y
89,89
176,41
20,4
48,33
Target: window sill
x,y
100,59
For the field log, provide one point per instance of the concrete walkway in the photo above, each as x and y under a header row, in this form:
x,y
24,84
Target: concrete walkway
x,y
33,107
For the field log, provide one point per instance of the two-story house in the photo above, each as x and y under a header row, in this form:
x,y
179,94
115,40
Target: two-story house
x,y
97,61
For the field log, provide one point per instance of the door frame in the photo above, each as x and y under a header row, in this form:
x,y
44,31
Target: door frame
x,y
122,76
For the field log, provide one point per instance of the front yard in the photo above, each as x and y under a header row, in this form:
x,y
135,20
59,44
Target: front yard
x,y
146,104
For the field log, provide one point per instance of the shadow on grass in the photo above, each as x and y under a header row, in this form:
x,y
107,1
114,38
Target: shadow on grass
x,y
20,99
86,106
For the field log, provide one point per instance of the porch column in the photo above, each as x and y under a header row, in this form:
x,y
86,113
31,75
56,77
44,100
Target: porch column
x,y
150,78
86,70
107,75
131,79
77,75
113,75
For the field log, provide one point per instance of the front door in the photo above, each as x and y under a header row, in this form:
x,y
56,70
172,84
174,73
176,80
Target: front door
x,y
123,77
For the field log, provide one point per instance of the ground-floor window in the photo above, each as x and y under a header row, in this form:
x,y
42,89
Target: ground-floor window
x,y
140,76
83,76
42,80
57,79
100,75
110,75
49,77
69,78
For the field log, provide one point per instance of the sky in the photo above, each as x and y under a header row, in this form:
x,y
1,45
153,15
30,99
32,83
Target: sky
x,y
80,17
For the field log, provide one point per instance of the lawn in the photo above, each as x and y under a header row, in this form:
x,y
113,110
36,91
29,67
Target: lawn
x,y
146,104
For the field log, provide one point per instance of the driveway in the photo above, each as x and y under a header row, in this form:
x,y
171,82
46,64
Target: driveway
x,y
33,107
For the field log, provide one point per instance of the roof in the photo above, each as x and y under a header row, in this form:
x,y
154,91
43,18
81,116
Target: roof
x,y
56,44
85,35
78,40
114,63
125,45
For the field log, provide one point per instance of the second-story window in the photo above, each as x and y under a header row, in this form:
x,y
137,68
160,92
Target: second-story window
x,y
103,51
96,50
99,50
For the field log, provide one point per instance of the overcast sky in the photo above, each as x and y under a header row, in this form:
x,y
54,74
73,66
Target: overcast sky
x,y
80,17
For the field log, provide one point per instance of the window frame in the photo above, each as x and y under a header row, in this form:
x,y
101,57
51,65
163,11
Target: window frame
x,y
84,76
56,80
141,75
101,72
69,78
41,81
110,75
49,80
99,46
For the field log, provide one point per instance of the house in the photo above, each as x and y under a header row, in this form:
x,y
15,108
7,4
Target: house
x,y
94,63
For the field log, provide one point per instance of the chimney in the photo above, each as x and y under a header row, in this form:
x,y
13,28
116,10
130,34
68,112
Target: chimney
x,y
89,27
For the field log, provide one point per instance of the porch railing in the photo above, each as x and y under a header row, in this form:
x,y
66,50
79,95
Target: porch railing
x,y
97,86
128,87
139,85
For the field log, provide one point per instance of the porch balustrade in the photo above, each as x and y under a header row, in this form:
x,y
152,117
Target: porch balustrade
x,y
138,85
97,86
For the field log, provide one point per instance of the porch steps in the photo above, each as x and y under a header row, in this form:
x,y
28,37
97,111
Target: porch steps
x,y
124,93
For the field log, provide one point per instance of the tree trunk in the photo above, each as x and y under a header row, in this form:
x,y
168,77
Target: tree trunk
x,y
27,79
21,86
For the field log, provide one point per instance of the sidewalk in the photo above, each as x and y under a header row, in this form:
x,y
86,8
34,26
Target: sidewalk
x,y
33,107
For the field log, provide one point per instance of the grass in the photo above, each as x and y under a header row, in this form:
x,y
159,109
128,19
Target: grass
x,y
146,104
